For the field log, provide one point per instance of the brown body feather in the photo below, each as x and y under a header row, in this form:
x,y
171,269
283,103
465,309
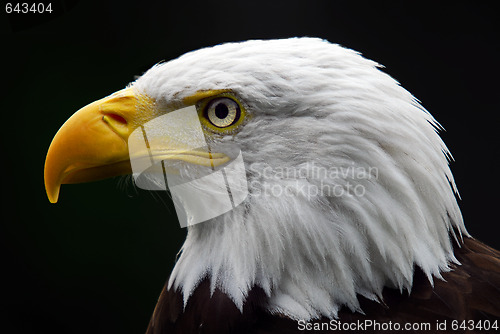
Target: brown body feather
x,y
471,291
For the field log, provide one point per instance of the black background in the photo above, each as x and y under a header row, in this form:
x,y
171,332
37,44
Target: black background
x,y
96,261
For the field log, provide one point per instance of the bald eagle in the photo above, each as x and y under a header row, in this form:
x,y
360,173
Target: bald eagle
x,y
350,218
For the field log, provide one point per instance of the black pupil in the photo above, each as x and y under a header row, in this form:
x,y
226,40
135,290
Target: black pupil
x,y
221,110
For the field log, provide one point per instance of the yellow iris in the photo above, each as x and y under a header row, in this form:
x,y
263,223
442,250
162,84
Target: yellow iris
x,y
222,113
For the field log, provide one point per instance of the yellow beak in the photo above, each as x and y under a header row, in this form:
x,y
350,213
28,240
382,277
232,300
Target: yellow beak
x,y
92,144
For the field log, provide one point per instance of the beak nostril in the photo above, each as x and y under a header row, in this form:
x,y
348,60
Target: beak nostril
x,y
117,123
118,118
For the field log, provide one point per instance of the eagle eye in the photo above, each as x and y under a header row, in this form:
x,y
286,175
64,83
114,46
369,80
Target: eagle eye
x,y
222,112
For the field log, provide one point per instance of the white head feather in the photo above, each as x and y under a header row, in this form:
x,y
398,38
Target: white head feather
x,y
317,106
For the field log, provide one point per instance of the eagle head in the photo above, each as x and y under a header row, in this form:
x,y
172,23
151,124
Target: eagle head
x,y
349,188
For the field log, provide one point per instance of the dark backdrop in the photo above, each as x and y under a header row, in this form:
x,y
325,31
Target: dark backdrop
x,y
96,261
